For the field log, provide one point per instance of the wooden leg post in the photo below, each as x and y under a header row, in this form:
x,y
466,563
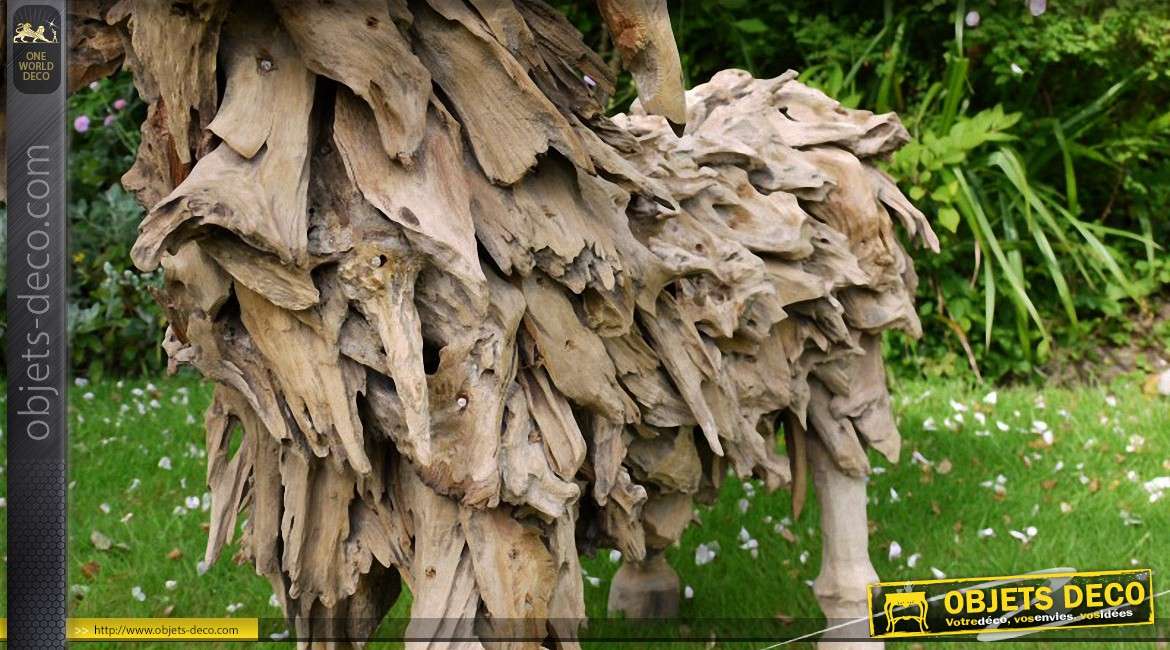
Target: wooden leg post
x,y
647,589
846,570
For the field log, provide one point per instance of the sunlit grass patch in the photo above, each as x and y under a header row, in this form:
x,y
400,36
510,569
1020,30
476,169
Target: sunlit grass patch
x,y
988,484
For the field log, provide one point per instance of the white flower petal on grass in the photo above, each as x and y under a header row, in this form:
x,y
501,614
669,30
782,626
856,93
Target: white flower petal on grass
x,y
1065,507
87,397
234,607
1156,487
803,557
1002,426
1059,466
938,575
1111,401
985,533
929,425
912,561
688,592
704,554
895,550
170,585
279,636
750,545
1048,438
1030,531
893,495
138,594
743,505
593,581
80,382
917,458
134,485
744,535
958,407
165,462
615,556
1019,535
980,418
273,601
991,398
105,508
201,567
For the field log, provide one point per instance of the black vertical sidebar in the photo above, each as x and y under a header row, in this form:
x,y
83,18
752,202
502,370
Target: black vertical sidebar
x,y
36,346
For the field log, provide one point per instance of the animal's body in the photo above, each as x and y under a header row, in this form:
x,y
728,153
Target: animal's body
x,y
465,326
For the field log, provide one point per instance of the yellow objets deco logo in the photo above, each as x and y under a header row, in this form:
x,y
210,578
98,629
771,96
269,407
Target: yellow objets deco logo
x,y
1013,605
913,606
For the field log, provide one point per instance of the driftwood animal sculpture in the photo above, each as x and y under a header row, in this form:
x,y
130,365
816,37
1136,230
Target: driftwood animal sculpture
x,y
463,326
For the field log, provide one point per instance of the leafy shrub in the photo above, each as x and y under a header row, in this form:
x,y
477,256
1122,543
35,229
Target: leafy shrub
x,y
114,323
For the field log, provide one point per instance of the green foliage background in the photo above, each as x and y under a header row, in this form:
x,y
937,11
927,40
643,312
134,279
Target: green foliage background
x,y
1041,152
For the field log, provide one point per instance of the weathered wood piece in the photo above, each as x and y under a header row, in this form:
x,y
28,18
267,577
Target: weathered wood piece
x,y
464,322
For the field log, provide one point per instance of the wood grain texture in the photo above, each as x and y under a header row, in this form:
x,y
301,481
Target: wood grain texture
x,y
463,322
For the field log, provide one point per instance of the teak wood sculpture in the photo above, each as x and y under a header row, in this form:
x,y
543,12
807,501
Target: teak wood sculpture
x,y
465,326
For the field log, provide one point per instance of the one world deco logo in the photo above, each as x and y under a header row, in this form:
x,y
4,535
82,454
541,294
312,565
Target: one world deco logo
x,y
36,49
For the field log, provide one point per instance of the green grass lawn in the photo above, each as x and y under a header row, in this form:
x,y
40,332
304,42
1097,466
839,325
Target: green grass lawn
x,y
137,484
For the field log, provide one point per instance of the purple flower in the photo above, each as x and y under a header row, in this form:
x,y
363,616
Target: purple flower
x,y
1037,7
972,19
109,120
81,124
119,104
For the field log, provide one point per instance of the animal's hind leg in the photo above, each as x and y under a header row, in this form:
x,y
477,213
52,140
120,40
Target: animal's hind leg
x,y
845,566
646,589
